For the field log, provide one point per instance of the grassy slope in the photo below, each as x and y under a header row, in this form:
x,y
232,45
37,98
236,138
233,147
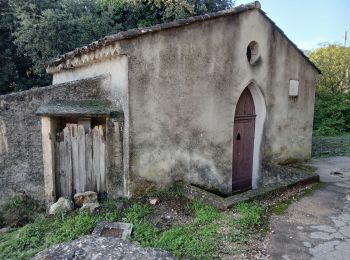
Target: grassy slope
x,y
202,238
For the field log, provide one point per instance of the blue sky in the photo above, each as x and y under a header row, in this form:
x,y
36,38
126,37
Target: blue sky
x,y
309,22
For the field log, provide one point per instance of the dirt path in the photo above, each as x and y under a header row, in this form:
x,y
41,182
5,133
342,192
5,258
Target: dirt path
x,y
317,226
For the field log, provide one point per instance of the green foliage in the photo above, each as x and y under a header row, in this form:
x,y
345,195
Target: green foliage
x,y
137,213
332,106
44,232
333,60
200,239
204,213
332,113
196,240
19,211
33,32
190,241
280,208
250,214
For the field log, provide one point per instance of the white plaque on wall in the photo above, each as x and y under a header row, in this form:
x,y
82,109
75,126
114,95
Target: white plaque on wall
x,y
293,88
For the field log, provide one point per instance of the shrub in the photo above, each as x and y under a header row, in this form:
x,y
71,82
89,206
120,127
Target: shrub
x,y
19,211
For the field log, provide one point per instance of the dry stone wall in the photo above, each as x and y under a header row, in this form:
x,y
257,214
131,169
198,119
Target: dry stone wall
x,y
21,165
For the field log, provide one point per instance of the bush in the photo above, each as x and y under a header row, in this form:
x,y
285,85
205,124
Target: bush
x,y
45,232
19,211
332,113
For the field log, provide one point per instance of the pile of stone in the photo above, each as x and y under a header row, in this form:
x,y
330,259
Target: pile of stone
x,y
85,201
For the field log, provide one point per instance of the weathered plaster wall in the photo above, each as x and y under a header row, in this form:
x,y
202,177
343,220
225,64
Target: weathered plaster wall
x,y
21,158
184,84
117,67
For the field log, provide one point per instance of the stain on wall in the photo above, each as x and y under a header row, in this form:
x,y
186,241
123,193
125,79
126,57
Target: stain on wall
x,y
184,84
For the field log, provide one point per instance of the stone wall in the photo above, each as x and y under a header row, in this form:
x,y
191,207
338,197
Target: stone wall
x,y
21,159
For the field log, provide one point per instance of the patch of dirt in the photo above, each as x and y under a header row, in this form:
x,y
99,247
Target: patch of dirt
x,y
255,245
171,211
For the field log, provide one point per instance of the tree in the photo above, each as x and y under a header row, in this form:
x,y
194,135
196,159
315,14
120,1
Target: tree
x,y
332,107
334,62
36,31
15,73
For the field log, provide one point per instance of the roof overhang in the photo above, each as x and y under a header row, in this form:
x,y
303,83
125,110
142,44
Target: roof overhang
x,y
79,108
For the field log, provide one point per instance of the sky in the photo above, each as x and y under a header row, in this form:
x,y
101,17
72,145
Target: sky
x,y
309,22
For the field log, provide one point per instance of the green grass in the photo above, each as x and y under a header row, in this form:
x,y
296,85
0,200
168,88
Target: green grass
x,y
250,214
44,232
200,239
327,146
19,210
280,208
195,240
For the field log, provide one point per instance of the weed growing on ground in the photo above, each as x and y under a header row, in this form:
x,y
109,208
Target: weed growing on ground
x,y
195,240
202,238
44,232
280,208
250,214
137,213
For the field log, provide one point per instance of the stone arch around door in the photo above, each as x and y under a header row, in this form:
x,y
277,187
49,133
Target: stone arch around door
x,y
253,94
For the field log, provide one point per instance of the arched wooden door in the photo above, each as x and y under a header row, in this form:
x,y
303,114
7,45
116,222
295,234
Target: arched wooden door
x,y
243,143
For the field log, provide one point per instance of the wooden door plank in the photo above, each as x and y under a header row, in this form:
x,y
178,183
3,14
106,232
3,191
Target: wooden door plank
x,y
68,161
90,183
62,174
102,159
57,167
81,159
75,158
95,157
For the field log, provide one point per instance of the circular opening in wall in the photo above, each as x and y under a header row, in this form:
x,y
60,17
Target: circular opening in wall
x,y
253,52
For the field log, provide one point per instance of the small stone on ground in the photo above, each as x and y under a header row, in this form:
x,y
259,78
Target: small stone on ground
x,y
62,205
85,197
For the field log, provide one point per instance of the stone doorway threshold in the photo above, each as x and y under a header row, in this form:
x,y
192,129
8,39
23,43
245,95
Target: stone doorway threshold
x,y
276,178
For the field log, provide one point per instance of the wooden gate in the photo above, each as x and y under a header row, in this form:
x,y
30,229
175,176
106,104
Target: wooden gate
x,y
243,143
80,160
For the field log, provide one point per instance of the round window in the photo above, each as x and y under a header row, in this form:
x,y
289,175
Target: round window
x,y
253,52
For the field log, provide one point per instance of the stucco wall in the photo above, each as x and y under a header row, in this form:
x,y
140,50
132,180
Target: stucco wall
x,y
117,67
184,84
21,159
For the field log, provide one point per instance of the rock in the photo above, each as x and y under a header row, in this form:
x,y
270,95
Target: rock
x,y
94,247
91,207
113,229
6,229
62,205
85,197
348,197
153,201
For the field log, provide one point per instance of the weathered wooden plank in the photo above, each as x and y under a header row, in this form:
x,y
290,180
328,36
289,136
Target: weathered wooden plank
x,y
75,158
102,159
96,158
62,174
81,159
57,166
90,182
68,161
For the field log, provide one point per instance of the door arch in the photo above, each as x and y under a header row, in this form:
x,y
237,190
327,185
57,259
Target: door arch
x,y
243,143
